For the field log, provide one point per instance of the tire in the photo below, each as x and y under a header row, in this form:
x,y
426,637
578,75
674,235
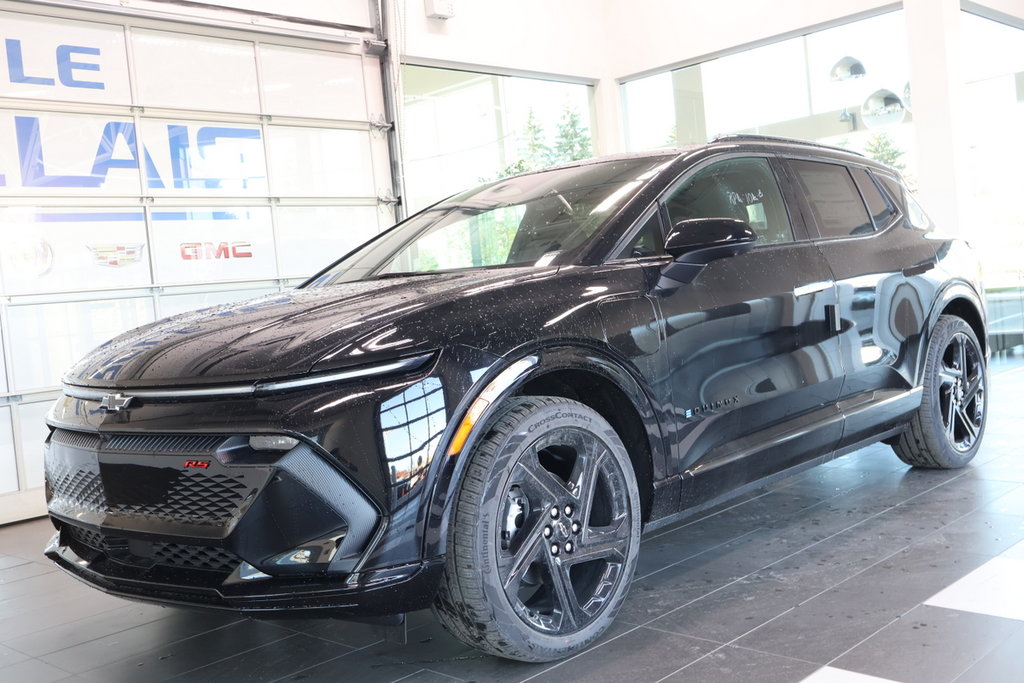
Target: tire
x,y
946,431
545,533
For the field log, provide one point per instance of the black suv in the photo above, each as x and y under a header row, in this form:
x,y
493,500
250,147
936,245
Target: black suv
x,y
481,408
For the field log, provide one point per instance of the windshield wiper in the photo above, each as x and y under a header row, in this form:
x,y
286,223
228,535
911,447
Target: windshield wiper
x,y
412,273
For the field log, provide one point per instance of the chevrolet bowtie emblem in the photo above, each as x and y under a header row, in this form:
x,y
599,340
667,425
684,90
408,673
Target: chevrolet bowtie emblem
x,y
115,403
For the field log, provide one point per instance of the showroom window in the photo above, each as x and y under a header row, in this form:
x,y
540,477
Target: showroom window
x,y
994,92
463,128
147,170
847,86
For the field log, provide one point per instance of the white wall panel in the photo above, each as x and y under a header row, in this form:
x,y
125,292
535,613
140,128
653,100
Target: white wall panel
x,y
311,237
300,82
320,162
46,339
8,466
32,420
195,72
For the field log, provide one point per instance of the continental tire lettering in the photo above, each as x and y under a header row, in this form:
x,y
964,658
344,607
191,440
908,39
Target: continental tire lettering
x,y
560,415
485,522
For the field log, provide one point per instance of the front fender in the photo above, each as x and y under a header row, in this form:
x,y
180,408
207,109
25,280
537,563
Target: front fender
x,y
486,398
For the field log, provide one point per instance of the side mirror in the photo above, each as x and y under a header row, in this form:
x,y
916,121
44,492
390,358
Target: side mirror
x,y
696,242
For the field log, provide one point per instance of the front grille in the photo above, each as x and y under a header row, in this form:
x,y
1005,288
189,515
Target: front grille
x,y
82,487
194,499
152,487
182,444
83,440
177,444
89,542
194,557
89,538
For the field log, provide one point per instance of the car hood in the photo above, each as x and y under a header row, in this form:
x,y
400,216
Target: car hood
x,y
291,333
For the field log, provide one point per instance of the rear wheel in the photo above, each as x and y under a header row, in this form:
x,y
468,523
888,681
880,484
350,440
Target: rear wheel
x,y
946,431
545,534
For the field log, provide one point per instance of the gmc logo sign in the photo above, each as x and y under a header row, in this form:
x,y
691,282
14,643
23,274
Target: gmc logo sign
x,y
193,251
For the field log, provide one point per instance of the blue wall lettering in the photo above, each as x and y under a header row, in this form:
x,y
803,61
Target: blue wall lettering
x,y
105,153
30,153
16,65
33,166
177,142
66,67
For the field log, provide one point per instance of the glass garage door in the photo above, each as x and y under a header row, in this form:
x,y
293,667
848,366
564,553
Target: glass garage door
x,y
148,168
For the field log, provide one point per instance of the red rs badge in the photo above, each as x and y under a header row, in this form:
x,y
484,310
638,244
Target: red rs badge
x,y
200,464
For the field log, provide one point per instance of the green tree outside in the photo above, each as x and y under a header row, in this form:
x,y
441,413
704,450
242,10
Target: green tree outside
x,y
572,142
882,148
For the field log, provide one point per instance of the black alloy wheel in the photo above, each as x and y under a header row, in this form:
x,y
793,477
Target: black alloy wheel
x,y
962,392
947,429
545,534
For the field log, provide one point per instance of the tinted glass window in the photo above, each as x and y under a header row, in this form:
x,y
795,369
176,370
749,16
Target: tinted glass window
x,y
893,186
879,207
648,242
915,215
834,200
737,188
527,220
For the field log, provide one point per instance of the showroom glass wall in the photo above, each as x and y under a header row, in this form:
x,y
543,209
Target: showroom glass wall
x,y
994,92
463,128
146,170
849,86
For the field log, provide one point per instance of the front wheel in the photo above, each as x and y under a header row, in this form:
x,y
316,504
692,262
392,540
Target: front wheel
x,y
545,533
946,431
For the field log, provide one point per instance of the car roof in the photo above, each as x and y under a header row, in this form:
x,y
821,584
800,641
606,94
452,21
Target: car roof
x,y
764,142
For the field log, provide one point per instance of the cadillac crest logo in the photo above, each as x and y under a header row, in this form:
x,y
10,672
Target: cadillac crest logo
x,y
116,255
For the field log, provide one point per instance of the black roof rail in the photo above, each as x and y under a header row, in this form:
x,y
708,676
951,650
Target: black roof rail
x,y
751,137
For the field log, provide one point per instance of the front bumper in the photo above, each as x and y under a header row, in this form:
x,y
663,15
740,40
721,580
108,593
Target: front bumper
x,y
368,594
206,520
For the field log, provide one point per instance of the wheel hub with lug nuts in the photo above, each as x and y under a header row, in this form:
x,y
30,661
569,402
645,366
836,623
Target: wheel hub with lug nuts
x,y
561,529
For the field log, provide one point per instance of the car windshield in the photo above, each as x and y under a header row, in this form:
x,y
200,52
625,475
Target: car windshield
x,y
528,220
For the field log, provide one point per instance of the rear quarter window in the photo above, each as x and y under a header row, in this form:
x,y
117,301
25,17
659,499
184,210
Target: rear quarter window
x,y
879,206
915,215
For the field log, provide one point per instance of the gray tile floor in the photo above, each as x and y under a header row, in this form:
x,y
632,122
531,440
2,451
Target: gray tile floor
x,y
858,568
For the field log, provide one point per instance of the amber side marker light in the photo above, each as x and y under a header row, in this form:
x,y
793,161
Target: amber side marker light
x,y
498,385
472,415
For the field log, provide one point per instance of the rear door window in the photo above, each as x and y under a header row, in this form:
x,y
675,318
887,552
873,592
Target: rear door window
x,y
833,197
